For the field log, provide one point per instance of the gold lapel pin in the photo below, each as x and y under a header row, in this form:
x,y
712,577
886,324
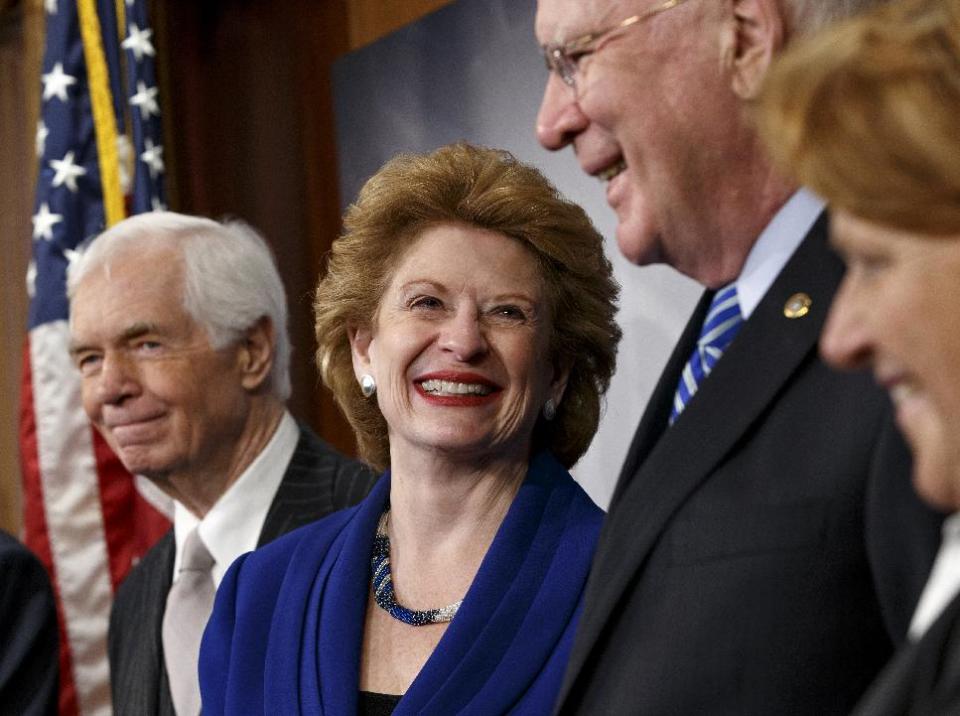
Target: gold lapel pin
x,y
797,306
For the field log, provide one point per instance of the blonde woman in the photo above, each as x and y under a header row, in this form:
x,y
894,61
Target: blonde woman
x,y
866,115
465,326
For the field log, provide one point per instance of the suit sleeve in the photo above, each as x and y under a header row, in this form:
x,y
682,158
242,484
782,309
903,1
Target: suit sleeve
x,y
29,643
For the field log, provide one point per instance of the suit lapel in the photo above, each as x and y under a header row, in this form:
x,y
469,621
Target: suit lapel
x,y
141,676
922,677
303,495
164,697
894,689
767,351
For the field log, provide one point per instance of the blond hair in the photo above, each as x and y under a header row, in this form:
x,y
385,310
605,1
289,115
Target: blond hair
x,y
488,189
808,16
866,115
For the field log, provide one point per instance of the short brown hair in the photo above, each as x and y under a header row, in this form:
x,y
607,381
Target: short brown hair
x,y
808,16
866,112
488,189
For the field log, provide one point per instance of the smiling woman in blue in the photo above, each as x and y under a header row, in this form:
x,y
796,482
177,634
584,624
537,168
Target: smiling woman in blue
x,y
465,326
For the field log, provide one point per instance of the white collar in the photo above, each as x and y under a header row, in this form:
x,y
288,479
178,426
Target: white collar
x,y
774,247
943,584
232,526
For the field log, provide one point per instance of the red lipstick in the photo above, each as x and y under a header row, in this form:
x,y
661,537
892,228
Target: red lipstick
x,y
453,399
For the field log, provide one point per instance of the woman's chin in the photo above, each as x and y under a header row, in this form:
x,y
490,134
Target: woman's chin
x,y
473,446
937,480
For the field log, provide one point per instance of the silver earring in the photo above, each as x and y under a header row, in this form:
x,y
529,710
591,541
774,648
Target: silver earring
x,y
550,409
368,386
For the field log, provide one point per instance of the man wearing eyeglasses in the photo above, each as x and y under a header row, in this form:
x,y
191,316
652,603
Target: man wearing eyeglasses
x,y
764,549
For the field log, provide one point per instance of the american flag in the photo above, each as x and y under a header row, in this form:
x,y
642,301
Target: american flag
x,y
84,515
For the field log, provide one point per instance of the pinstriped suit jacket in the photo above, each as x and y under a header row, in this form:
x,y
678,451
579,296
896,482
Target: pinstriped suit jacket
x,y
318,481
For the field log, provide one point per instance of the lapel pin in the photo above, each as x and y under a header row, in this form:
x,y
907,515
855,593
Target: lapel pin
x,y
797,306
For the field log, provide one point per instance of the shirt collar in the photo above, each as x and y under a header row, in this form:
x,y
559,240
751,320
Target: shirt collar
x,y
943,584
774,247
232,526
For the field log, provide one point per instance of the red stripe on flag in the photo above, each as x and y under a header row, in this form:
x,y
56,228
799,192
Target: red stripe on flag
x,y
35,534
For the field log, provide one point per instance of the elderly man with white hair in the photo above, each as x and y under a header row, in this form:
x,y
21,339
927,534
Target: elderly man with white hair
x,y
179,331
764,550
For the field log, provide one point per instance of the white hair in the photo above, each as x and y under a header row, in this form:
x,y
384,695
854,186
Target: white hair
x,y
230,276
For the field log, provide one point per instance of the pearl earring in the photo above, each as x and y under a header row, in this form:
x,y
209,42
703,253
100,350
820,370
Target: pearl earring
x,y
550,409
368,386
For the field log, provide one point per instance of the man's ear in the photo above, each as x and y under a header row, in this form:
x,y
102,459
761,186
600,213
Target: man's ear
x,y
360,340
756,34
257,352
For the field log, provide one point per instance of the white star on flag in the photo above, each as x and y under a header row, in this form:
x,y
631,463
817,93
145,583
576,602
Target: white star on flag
x,y
146,100
42,134
157,205
139,41
71,255
32,278
153,157
50,6
55,83
67,171
44,221
125,155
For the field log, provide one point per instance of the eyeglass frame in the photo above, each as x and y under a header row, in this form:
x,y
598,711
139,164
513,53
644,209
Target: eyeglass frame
x,y
565,59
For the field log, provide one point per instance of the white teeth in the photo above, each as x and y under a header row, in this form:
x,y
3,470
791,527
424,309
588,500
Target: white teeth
x,y
447,387
611,171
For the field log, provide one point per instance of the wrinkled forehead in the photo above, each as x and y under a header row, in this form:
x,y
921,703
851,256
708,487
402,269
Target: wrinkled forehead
x,y
559,21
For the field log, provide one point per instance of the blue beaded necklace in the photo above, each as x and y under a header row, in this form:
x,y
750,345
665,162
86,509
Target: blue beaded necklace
x,y
382,584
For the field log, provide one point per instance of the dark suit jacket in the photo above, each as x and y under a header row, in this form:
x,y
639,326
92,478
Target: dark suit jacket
x,y
763,554
923,679
318,481
29,643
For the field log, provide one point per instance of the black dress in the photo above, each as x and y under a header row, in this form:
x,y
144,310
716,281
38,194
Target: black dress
x,y
372,704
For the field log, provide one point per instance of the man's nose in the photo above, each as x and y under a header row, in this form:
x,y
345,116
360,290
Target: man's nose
x,y
846,341
463,336
117,379
560,118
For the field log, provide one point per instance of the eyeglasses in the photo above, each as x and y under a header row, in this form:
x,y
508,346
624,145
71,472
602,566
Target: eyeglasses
x,y
565,59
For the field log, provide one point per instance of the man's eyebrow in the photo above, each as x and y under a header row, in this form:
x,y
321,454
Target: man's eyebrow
x,y
138,329
76,348
134,330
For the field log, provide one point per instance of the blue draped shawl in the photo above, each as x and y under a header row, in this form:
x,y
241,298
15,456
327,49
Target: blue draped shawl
x,y
287,627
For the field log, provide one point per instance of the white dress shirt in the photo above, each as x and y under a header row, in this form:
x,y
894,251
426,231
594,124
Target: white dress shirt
x,y
943,584
775,246
232,526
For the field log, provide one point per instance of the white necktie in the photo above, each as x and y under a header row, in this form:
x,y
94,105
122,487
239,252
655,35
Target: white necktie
x,y
189,604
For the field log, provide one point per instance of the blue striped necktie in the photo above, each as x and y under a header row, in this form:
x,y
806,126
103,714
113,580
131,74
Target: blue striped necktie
x,y
721,325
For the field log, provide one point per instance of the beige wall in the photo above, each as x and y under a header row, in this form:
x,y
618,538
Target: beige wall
x,y
20,57
21,51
